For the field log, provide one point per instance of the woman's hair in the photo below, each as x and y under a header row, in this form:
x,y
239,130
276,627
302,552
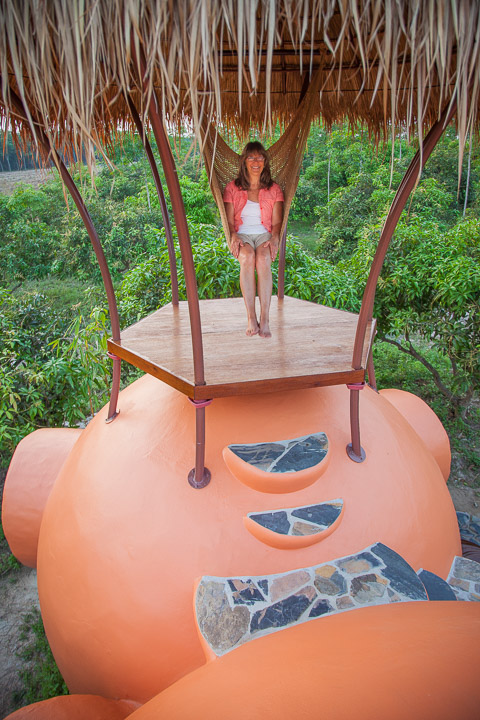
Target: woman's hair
x,y
242,180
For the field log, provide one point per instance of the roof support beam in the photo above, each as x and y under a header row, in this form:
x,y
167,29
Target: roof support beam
x,y
366,311
161,196
42,141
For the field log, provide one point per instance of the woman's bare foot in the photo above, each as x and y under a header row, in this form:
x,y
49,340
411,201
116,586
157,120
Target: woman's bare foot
x,y
252,327
264,330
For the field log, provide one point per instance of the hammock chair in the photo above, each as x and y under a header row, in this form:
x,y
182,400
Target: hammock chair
x,y
286,155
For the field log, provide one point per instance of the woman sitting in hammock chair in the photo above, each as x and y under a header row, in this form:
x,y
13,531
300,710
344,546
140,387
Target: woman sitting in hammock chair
x,y
254,209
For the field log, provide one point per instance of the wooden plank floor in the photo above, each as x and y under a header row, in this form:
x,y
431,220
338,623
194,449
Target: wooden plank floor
x,y
311,345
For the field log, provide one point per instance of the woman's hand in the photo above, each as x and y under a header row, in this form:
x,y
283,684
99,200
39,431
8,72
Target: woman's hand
x,y
235,244
273,244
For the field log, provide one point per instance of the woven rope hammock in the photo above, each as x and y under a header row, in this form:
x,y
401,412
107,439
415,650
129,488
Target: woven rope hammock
x,y
285,155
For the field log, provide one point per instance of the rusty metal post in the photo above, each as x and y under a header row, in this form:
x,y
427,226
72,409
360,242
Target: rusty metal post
x,y
161,196
405,188
199,471
281,266
42,139
372,381
354,450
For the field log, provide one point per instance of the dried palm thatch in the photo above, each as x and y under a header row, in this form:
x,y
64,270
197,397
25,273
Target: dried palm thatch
x,y
384,63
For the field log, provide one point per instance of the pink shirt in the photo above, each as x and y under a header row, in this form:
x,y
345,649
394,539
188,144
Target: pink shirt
x,y
266,198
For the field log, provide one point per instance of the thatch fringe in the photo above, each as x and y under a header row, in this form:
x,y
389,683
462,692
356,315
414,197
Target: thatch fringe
x,y
237,62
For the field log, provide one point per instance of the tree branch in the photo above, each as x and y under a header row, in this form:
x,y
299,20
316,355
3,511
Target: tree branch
x,y
455,399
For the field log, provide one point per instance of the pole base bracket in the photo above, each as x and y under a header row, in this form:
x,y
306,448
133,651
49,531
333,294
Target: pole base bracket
x,y
353,455
207,476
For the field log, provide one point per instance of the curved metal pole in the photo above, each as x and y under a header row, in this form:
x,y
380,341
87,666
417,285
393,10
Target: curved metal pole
x,y
354,450
42,139
161,197
281,266
201,475
398,204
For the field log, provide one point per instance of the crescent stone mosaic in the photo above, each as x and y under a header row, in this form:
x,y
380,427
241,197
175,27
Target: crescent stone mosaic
x,y
232,611
307,520
284,455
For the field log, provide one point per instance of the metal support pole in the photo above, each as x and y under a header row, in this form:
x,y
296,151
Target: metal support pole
x,y
405,188
41,139
354,450
199,471
161,197
179,215
281,266
372,381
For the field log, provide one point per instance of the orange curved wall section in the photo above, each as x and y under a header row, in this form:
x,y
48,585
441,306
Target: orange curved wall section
x,y
30,478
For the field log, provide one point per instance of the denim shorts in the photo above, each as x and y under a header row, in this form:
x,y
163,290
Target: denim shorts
x,y
255,240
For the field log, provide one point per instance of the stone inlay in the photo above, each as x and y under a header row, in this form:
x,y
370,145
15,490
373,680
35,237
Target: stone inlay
x,y
232,611
464,579
469,526
307,520
436,587
284,455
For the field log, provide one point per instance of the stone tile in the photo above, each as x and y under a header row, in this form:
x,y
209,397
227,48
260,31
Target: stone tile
x,y
368,588
323,514
325,571
263,585
302,454
363,562
276,521
469,527
466,569
393,596
280,614
221,626
436,587
344,603
402,577
260,455
321,607
301,528
462,584
245,593
285,585
333,585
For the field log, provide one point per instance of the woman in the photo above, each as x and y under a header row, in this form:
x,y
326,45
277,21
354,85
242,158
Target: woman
x,y
254,208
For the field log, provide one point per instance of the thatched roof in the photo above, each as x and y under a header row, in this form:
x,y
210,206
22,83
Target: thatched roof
x,y
383,62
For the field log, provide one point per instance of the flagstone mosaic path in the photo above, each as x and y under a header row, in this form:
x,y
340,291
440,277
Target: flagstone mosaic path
x,y
284,455
232,611
307,520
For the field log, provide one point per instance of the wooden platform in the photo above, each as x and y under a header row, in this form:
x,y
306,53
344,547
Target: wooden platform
x,y
311,345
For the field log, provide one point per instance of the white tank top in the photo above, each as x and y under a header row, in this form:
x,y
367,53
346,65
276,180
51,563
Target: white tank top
x,y
252,220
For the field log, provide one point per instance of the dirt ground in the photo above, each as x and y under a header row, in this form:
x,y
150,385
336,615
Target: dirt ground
x,y
9,180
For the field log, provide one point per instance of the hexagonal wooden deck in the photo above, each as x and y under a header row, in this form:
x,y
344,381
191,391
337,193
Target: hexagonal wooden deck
x,y
311,345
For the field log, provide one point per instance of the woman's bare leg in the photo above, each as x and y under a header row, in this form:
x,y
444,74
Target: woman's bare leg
x,y
263,263
246,258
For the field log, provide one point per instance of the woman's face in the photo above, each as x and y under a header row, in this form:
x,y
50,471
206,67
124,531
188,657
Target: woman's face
x,y
254,163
